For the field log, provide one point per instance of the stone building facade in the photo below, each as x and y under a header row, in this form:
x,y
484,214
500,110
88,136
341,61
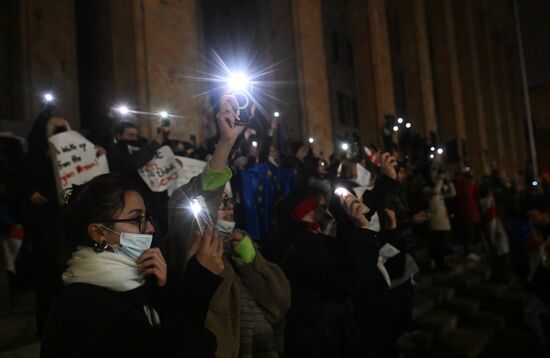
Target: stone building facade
x,y
449,67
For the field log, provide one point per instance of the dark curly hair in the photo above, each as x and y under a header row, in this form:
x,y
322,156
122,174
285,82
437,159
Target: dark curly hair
x,y
98,200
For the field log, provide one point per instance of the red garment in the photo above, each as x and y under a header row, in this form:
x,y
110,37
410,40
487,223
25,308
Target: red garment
x,y
304,208
467,194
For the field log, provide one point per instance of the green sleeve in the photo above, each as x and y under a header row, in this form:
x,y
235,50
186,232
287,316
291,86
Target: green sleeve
x,y
212,180
244,252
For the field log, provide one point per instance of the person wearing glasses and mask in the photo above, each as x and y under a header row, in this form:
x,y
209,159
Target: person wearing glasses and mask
x,y
118,300
251,301
247,311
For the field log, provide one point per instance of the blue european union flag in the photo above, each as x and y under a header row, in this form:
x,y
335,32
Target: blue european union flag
x,y
262,186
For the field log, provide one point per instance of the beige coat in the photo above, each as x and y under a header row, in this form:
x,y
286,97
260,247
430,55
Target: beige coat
x,y
439,220
266,283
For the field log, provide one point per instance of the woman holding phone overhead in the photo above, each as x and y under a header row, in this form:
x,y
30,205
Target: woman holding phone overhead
x,y
247,310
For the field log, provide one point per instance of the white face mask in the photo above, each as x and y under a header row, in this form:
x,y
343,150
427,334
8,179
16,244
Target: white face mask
x,y
225,227
132,245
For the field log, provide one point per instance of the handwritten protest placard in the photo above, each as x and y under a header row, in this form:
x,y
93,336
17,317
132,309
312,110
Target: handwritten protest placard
x,y
161,172
75,160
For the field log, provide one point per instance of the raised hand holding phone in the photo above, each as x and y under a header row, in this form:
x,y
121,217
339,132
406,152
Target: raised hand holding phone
x,y
355,209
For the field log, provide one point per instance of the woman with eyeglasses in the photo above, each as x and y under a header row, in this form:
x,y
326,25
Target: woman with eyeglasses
x,y
248,308
118,300
247,311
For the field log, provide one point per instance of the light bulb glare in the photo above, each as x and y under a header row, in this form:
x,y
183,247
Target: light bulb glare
x,y
238,81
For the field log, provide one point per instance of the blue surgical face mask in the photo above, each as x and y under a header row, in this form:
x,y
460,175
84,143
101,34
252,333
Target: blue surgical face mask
x,y
132,245
225,227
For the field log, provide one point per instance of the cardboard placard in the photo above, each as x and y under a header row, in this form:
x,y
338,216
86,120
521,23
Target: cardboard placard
x,y
74,160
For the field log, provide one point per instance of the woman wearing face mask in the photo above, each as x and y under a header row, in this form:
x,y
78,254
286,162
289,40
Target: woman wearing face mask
x,y
248,307
106,308
45,250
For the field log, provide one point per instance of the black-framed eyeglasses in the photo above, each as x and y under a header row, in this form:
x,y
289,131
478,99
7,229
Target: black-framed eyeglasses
x,y
140,221
226,204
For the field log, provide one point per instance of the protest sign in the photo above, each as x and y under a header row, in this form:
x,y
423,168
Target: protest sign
x,y
161,172
75,160
188,168
363,176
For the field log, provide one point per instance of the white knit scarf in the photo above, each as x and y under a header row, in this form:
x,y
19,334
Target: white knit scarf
x,y
105,269
109,270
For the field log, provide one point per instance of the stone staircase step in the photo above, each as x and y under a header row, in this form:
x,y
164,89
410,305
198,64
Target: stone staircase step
x,y
512,312
438,322
488,323
23,303
460,343
513,344
463,282
488,290
31,350
464,307
423,281
440,293
422,305
416,343
15,330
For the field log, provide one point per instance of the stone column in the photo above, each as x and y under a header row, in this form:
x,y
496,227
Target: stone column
x,y
167,56
417,66
48,57
477,85
509,135
312,72
496,118
381,60
448,90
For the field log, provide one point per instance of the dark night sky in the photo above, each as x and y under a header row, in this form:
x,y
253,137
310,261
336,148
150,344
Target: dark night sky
x,y
535,26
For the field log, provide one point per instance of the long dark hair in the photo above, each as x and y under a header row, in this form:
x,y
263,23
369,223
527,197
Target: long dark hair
x,y
98,200
36,139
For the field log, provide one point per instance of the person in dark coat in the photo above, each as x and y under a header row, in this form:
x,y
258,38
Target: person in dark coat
x,y
45,241
128,155
326,274
119,300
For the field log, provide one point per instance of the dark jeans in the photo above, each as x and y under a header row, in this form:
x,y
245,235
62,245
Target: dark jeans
x,y
470,233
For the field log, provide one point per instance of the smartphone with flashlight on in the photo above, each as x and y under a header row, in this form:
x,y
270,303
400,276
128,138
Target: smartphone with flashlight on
x,y
204,220
344,193
201,214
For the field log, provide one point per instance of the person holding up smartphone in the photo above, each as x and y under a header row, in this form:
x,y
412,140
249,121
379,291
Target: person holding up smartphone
x,y
328,275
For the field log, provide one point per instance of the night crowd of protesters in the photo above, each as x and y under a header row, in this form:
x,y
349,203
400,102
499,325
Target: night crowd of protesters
x,y
306,256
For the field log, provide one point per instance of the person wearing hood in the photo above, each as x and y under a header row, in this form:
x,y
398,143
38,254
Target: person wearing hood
x,y
327,275
296,161
128,154
45,241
